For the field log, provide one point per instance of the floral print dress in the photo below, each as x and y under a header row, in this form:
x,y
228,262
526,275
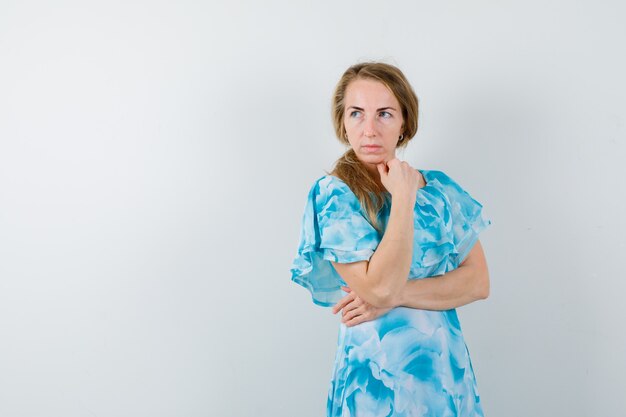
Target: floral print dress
x,y
408,362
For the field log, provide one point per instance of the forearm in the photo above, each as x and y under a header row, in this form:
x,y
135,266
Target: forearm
x,y
389,266
465,284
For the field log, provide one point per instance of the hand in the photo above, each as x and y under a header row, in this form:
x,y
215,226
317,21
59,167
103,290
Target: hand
x,y
399,178
355,310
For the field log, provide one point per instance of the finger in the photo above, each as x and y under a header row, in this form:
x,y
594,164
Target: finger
x,y
393,162
356,303
350,307
351,314
342,303
346,288
366,315
382,170
355,321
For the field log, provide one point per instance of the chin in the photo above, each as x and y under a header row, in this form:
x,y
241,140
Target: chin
x,y
372,159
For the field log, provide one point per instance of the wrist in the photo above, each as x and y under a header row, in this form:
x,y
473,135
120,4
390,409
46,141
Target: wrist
x,y
403,200
398,299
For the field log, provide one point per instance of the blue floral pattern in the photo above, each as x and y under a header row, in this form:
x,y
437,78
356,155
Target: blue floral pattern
x,y
409,362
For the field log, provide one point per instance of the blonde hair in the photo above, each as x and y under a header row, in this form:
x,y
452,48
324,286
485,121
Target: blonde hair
x,y
348,167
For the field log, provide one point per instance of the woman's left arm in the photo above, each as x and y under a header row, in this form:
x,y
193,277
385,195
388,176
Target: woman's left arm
x,y
465,284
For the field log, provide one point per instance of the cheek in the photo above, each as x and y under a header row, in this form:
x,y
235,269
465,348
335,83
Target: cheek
x,y
393,126
350,126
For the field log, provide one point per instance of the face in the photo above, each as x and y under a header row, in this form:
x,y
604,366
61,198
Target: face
x,y
373,121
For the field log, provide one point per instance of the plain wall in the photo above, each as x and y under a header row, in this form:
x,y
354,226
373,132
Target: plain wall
x,y
155,159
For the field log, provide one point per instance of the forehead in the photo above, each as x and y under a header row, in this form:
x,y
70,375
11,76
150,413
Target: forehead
x,y
363,92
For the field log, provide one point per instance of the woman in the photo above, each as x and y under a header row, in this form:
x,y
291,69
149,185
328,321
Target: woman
x,y
396,250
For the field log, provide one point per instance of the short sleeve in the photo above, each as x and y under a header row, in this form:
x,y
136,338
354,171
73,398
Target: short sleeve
x,y
333,228
466,217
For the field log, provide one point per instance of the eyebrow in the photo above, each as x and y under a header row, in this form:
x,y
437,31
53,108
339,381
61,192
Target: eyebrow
x,y
380,109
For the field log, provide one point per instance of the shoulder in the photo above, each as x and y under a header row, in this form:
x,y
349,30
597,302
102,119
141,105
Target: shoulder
x,y
327,186
329,195
330,181
453,193
441,180
434,174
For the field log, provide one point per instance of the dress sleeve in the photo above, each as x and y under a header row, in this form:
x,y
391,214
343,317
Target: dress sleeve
x,y
466,218
333,229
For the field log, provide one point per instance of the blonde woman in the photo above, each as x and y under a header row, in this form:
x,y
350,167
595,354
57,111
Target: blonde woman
x,y
396,250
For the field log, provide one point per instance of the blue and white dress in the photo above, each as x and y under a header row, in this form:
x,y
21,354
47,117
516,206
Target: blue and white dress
x,y
409,362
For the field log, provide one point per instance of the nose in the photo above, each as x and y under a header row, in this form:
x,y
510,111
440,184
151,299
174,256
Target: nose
x,y
369,128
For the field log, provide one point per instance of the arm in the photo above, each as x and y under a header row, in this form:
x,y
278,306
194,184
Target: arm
x,y
380,280
467,283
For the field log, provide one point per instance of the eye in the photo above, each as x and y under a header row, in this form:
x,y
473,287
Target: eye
x,y
385,114
355,113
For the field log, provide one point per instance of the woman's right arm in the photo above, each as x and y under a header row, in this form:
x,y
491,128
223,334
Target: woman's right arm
x,y
380,280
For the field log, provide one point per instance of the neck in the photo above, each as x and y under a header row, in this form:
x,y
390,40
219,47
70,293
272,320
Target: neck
x,y
373,170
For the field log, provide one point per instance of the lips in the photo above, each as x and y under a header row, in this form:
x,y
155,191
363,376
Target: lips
x,y
371,147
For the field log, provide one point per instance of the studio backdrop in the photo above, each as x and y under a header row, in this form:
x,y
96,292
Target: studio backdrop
x,y
155,159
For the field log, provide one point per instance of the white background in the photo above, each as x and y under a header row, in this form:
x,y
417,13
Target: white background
x,y
155,159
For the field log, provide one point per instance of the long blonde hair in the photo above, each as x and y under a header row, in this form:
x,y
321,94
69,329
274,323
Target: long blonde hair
x,y
348,167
